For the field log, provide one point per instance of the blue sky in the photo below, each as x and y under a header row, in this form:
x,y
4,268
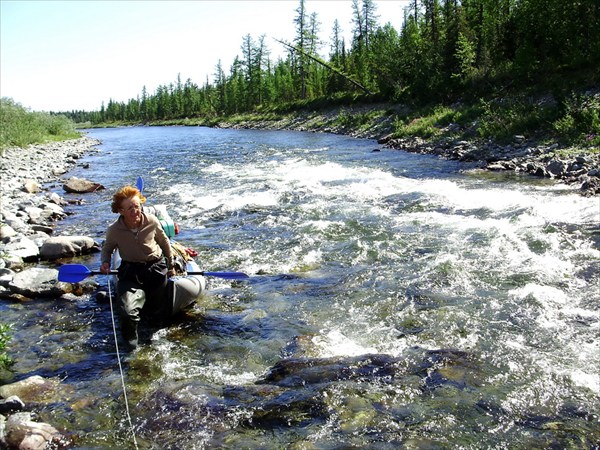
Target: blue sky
x,y
65,55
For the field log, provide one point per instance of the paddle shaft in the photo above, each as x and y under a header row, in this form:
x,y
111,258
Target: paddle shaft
x,y
208,274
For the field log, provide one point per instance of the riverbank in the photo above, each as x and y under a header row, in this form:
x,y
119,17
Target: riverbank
x,y
30,208
28,211
26,174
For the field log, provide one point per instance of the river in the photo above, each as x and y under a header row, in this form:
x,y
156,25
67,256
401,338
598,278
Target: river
x,y
396,300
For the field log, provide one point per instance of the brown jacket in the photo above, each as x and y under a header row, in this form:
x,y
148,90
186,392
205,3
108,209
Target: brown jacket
x,y
148,243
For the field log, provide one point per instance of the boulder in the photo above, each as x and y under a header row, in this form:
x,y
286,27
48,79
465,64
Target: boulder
x,y
556,168
37,282
22,247
33,389
63,246
81,186
21,432
52,211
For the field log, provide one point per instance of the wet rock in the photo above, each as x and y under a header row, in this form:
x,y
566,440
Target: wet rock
x,y
32,389
81,186
273,407
303,371
448,367
14,221
11,405
65,246
38,282
21,432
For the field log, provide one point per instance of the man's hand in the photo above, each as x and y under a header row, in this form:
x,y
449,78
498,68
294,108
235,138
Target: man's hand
x,y
105,268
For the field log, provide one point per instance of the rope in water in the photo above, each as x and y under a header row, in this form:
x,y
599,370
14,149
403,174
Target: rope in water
x,y
112,315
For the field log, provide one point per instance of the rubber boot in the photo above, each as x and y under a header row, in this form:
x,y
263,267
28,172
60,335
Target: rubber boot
x,y
132,301
129,332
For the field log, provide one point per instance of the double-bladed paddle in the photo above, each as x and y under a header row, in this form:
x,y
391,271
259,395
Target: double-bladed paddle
x,y
74,273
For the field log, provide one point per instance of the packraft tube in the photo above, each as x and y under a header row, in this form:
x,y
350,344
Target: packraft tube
x,y
183,290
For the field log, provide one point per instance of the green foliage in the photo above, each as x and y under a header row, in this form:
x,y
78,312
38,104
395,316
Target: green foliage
x,y
434,122
580,121
502,120
353,120
5,360
21,127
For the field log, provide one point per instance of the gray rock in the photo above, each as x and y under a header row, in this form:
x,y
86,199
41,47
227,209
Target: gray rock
x,y
23,433
556,168
63,246
13,262
37,282
14,221
22,247
6,231
42,228
81,186
6,276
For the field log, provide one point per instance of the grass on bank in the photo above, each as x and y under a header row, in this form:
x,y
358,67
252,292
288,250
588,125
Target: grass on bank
x,y
21,127
5,360
575,120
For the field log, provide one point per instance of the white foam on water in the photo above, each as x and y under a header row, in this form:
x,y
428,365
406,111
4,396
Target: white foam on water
x,y
586,379
335,343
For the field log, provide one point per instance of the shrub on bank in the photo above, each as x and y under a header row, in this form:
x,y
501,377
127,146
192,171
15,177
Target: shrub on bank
x,y
5,360
21,127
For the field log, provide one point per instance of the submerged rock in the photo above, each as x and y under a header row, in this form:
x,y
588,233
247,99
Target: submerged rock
x,y
32,389
302,371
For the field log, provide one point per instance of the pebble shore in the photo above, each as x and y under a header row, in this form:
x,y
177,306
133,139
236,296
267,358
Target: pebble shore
x,y
25,171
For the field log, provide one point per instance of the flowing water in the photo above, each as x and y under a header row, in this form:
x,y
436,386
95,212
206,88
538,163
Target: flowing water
x,y
395,301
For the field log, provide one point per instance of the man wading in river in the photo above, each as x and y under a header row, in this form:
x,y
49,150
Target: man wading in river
x,y
146,260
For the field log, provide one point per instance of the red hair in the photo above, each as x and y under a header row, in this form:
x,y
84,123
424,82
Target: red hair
x,y
122,194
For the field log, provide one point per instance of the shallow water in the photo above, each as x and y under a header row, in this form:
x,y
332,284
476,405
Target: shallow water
x,y
417,304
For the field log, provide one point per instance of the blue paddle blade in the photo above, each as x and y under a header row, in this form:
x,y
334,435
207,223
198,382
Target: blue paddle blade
x,y
73,273
139,184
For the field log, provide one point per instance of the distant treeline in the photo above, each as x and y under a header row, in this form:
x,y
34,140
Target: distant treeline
x,y
445,50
